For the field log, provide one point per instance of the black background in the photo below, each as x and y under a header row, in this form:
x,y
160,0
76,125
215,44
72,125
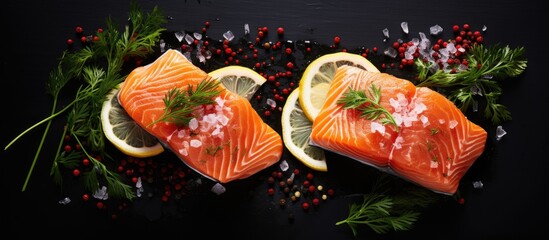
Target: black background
x,y
513,202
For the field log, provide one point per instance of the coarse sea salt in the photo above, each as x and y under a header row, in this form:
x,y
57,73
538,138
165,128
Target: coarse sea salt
x,y
377,127
195,143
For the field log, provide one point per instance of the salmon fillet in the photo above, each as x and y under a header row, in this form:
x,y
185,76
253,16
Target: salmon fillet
x,y
434,146
225,141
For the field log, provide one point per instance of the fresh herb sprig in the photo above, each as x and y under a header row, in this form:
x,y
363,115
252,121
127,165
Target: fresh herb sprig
x,y
487,67
384,211
99,66
180,104
368,104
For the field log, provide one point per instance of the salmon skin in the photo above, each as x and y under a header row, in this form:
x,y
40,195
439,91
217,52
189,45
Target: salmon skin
x,y
434,145
225,141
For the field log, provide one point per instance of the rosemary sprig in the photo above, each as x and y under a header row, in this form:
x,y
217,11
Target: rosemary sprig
x,y
180,104
383,211
488,66
368,104
99,65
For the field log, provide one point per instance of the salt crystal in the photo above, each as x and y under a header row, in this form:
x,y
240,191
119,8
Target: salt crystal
x,y
435,30
65,201
424,120
189,39
500,132
139,187
187,56
423,36
162,45
385,32
101,193
228,35
246,29
218,189
377,127
201,57
195,143
484,28
415,41
398,142
451,48
193,124
434,164
434,67
271,102
453,124
391,52
404,26
477,184
284,166
444,52
197,35
408,56
208,54
179,36
488,76
462,67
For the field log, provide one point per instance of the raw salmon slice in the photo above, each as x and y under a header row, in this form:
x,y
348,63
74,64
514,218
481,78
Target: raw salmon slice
x,y
434,145
225,141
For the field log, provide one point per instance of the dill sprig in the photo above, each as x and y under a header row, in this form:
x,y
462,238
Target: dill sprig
x,y
488,66
368,104
384,211
98,66
180,104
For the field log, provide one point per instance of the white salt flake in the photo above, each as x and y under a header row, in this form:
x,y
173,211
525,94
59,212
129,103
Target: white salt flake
x,y
65,201
179,35
284,166
228,35
218,189
195,143
435,30
197,35
391,52
162,45
189,39
101,193
424,120
398,142
404,26
271,102
453,124
181,134
441,121
246,29
377,127
478,184
500,132
183,151
419,108
385,32
434,164
193,124
484,28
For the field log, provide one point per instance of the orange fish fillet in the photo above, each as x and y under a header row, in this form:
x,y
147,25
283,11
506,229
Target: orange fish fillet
x,y
225,141
435,143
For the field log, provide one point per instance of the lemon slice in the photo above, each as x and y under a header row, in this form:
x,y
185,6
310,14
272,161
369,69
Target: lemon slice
x,y
124,133
240,80
316,79
296,131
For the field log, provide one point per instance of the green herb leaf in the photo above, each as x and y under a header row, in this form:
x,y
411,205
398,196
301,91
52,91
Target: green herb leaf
x,y
368,105
180,104
487,67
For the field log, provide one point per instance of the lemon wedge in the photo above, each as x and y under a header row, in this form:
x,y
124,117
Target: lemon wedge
x,y
316,79
296,131
240,80
124,133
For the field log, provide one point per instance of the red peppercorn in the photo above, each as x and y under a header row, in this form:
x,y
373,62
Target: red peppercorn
x,y
331,192
337,40
305,206
296,172
466,27
165,198
267,113
306,183
85,197
68,148
83,39
316,201
290,65
310,176
280,31
455,28
312,188
100,205
480,39
288,51
270,191
85,162
70,41
79,29
96,38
